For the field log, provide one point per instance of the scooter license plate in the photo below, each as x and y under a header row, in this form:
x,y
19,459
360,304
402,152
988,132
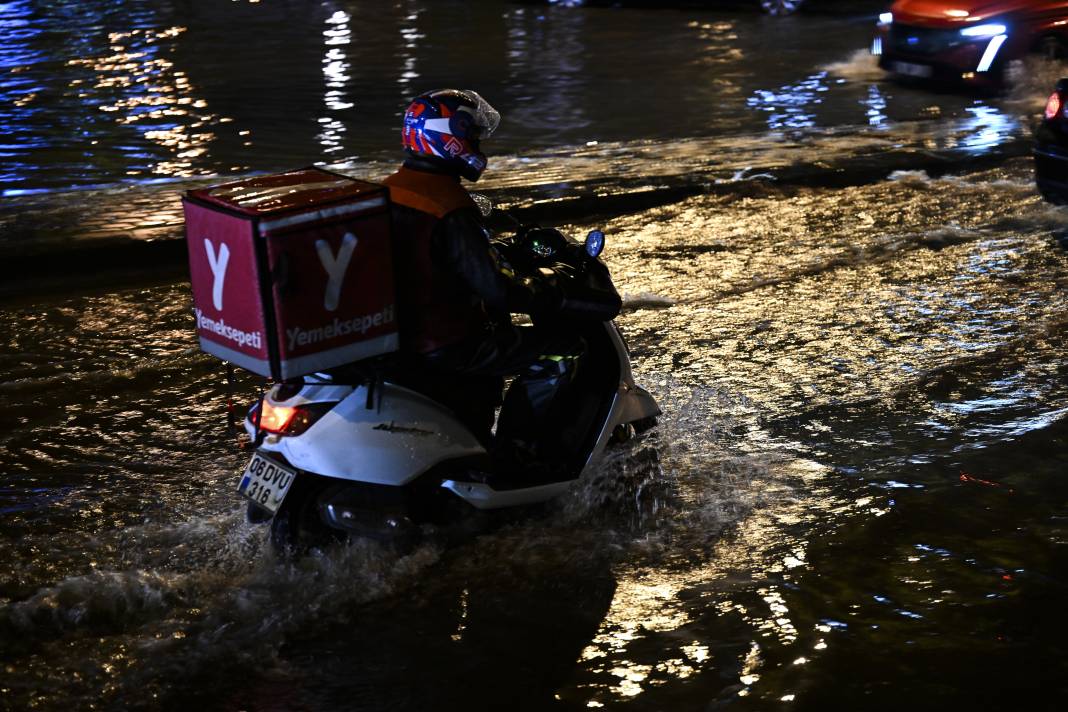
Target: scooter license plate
x,y
910,69
266,482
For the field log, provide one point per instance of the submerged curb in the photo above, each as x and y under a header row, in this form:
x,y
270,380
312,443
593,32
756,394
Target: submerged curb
x,y
156,251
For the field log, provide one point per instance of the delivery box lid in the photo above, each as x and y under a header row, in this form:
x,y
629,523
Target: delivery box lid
x,y
285,192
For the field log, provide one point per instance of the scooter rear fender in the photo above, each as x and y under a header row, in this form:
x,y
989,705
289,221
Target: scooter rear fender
x,y
395,440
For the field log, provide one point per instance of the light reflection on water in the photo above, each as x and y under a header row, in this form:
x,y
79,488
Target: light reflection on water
x,y
659,609
791,631
411,38
642,606
549,72
989,127
792,106
795,106
134,91
335,71
876,104
144,90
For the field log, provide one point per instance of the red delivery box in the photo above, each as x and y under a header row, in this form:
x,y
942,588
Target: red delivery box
x,y
292,273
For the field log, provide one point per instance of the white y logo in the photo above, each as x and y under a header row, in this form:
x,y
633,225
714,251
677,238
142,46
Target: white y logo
x,y
218,270
335,267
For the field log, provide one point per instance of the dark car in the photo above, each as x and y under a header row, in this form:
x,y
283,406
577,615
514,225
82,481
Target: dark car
x,y
967,41
1051,147
772,7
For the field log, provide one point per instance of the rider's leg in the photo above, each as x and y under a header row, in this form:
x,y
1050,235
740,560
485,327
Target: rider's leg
x,y
543,361
535,407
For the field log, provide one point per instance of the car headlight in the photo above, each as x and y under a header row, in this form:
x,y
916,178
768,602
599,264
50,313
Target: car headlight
x,y
886,18
992,29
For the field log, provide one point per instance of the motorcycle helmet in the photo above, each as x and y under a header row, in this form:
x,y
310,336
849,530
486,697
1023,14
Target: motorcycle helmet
x,y
447,125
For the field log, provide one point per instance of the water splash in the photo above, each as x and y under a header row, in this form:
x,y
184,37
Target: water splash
x,y
860,66
215,600
691,477
646,300
1030,82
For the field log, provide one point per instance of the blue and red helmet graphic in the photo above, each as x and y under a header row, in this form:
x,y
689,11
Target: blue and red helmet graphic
x,y
448,124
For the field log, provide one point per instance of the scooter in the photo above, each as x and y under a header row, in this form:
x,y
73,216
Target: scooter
x,y
360,452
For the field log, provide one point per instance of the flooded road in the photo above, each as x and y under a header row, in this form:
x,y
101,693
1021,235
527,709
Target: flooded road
x,y
95,92
856,498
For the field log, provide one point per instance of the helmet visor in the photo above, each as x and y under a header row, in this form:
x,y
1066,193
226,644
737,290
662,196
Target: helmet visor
x,y
486,117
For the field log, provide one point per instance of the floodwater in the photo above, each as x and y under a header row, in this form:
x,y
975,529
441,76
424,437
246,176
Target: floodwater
x,y
856,498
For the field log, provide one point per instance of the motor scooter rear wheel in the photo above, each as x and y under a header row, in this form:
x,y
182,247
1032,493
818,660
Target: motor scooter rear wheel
x,y
297,526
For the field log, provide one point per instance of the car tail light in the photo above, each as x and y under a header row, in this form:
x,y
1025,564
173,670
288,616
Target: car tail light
x,y
288,419
1053,105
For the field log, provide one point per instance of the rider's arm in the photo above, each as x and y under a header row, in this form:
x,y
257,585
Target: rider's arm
x,y
462,244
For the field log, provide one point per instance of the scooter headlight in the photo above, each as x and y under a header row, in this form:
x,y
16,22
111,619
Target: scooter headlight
x,y
595,243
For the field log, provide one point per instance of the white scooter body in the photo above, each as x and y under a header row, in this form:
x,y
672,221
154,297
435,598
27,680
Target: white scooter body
x,y
391,435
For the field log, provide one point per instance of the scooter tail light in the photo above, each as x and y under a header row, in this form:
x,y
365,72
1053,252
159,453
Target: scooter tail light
x,y
1054,105
288,420
274,418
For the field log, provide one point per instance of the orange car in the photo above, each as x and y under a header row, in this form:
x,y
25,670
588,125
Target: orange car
x,y
970,41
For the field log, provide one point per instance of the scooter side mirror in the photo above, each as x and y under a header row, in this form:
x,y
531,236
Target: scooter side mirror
x,y
595,243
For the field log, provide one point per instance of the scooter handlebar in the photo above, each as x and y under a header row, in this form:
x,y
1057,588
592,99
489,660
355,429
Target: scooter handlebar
x,y
565,281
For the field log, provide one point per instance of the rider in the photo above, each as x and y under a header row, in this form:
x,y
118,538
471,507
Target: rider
x,y
455,291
